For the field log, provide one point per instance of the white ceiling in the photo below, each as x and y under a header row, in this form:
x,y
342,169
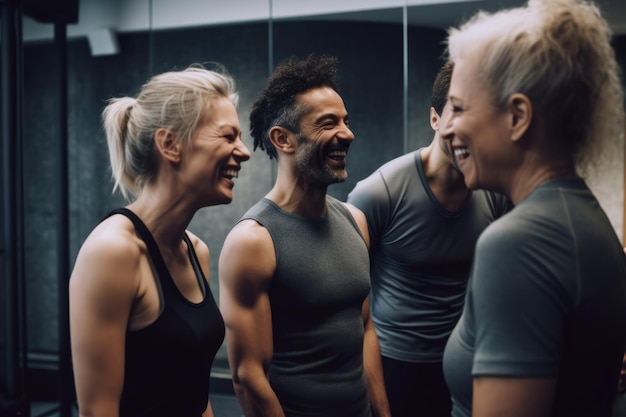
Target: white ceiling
x,y
140,15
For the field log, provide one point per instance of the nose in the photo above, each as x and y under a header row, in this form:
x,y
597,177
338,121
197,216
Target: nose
x,y
345,134
241,151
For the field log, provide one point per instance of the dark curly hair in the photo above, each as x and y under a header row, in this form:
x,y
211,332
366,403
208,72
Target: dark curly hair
x,y
276,104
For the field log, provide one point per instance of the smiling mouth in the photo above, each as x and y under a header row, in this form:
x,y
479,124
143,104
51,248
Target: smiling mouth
x,y
337,154
461,153
230,173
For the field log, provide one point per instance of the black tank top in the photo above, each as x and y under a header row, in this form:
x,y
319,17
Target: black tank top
x,y
168,364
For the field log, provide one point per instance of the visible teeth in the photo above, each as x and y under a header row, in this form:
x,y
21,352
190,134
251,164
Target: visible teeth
x,y
230,173
461,153
337,153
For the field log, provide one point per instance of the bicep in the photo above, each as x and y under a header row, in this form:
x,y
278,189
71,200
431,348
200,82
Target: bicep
x,y
101,291
512,397
246,265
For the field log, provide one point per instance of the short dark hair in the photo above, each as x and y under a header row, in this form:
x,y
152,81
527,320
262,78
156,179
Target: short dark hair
x,y
441,86
276,104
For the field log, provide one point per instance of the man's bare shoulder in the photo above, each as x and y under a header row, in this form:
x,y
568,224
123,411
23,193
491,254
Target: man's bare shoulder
x,y
248,253
249,232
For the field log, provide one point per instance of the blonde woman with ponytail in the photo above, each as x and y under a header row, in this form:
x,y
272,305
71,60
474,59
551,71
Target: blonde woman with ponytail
x,y
144,324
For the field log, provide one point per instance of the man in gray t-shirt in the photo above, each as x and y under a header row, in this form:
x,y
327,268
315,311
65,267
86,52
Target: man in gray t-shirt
x,y
423,224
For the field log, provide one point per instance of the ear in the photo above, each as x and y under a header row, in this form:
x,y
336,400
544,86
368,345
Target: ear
x,y
281,138
434,119
168,145
521,109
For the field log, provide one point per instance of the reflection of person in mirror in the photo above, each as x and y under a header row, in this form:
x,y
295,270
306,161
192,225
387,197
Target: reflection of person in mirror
x,y
294,272
535,91
423,224
144,325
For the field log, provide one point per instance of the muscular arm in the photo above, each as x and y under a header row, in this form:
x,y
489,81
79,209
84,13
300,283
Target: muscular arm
x,y
102,289
246,266
512,397
371,349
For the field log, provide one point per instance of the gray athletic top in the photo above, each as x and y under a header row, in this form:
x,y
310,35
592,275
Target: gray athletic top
x,y
547,298
421,256
316,295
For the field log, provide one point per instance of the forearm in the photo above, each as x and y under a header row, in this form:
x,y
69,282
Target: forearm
x,y
374,370
257,399
101,409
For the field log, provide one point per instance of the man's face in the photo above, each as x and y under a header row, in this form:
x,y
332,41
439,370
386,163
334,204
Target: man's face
x,y
324,137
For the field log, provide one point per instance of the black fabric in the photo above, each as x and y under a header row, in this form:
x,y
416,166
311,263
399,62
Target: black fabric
x,y
168,363
416,389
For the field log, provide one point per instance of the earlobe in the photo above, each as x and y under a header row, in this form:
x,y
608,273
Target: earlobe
x,y
280,138
521,115
167,145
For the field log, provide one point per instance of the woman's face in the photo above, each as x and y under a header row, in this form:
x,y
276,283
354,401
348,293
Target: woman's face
x,y
478,132
216,154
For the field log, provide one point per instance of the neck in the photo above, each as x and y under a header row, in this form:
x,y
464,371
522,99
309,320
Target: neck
x,y
165,218
306,201
526,184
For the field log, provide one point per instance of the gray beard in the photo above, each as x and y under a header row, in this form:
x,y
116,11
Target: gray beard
x,y
309,166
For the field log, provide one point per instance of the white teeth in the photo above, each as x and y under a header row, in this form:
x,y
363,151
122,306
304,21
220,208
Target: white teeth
x,y
461,153
337,153
230,173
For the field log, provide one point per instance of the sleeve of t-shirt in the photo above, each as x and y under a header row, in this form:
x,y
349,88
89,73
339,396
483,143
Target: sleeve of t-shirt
x,y
519,304
371,196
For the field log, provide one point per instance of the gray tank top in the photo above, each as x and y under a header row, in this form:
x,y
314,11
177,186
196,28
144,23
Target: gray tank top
x,y
316,295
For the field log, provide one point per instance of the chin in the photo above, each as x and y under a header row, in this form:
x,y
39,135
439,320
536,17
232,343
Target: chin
x,y
221,199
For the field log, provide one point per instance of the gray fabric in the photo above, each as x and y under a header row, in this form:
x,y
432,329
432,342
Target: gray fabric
x,y
421,256
316,295
547,298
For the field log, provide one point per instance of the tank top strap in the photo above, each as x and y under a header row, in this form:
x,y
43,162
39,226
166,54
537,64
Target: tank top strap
x,y
196,266
146,236
155,254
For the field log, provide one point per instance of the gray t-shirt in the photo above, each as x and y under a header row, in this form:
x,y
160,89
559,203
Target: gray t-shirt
x,y
421,256
546,298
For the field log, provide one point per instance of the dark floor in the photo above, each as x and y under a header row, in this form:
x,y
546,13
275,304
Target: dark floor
x,y
223,406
